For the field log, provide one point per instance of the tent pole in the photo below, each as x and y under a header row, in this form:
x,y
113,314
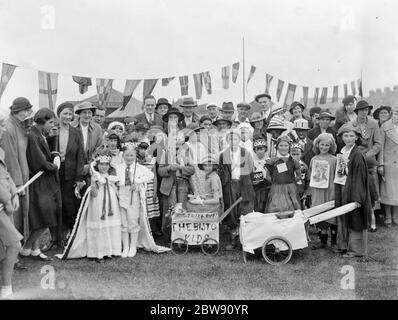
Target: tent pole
x,y
243,73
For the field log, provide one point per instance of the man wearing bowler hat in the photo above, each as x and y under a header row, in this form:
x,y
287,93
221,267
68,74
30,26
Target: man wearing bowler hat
x,y
188,105
227,111
14,143
370,147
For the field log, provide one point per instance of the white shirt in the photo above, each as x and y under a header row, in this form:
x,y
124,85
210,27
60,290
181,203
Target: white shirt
x,y
85,135
235,164
188,120
150,117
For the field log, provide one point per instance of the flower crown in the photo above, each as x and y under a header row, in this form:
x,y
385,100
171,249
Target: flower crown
x,y
103,159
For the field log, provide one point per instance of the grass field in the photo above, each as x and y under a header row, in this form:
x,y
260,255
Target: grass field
x,y
309,275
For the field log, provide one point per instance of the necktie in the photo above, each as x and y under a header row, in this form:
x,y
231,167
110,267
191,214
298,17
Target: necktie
x,y
128,181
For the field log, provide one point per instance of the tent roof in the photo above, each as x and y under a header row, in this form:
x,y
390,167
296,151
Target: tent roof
x,y
115,99
133,108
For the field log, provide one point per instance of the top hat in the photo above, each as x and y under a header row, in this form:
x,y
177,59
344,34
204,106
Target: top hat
x,y
188,102
276,123
301,124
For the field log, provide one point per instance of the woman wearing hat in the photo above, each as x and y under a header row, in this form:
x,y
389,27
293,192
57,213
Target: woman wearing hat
x,y
69,143
162,106
323,126
297,111
382,114
258,123
173,114
44,191
388,168
346,112
352,185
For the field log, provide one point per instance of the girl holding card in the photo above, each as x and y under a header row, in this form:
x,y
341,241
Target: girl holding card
x,y
283,172
321,175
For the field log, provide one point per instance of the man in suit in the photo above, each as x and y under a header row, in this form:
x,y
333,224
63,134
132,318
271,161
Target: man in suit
x,y
264,100
149,117
325,118
188,105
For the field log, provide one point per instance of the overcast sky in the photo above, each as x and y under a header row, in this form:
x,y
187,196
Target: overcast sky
x,y
308,43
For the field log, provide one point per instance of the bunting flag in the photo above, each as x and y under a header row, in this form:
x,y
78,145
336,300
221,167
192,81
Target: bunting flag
x,y
225,71
279,89
345,89
184,85
305,95
48,85
316,94
129,89
291,89
251,73
166,81
353,89
360,93
198,82
235,71
83,83
207,81
104,87
335,97
324,96
7,71
149,85
268,80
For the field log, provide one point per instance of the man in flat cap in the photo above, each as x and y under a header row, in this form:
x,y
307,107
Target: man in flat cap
x,y
243,113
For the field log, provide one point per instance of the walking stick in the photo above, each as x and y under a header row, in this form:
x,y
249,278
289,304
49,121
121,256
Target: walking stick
x,y
135,167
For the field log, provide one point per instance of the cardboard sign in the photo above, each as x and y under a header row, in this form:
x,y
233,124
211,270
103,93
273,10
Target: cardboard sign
x,y
320,174
281,167
195,227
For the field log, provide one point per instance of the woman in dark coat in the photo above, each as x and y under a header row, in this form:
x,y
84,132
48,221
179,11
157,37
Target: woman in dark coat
x,y
351,164
44,191
68,144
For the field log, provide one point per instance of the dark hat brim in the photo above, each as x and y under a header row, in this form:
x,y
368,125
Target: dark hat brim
x,y
80,110
165,117
326,116
377,111
262,95
225,120
275,128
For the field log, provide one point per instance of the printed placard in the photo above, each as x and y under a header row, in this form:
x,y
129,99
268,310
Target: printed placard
x,y
320,174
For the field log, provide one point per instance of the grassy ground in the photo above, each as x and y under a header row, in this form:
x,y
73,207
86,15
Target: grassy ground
x,y
309,275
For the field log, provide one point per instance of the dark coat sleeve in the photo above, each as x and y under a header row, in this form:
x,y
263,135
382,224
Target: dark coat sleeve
x,y
36,158
356,189
79,173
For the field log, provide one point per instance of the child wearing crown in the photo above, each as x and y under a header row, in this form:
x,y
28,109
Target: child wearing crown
x,y
97,230
133,179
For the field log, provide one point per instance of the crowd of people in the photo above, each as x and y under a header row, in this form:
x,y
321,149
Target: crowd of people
x,y
106,191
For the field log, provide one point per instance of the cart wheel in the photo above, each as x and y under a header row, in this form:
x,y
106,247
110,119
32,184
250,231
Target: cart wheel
x,y
179,246
277,250
210,246
244,257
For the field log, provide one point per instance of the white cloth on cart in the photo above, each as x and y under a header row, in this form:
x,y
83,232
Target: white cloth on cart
x,y
255,228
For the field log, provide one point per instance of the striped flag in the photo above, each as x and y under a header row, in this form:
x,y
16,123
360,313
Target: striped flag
x,y
316,95
360,93
291,89
184,85
129,89
198,82
104,87
251,73
305,95
149,85
279,89
324,96
7,71
345,89
166,81
48,87
225,71
207,81
353,89
335,94
235,71
268,80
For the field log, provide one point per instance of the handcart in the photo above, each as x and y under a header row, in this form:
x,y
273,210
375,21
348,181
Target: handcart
x,y
278,234
196,229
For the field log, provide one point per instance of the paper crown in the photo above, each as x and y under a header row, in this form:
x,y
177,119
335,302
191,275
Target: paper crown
x,y
103,159
297,146
259,143
129,145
